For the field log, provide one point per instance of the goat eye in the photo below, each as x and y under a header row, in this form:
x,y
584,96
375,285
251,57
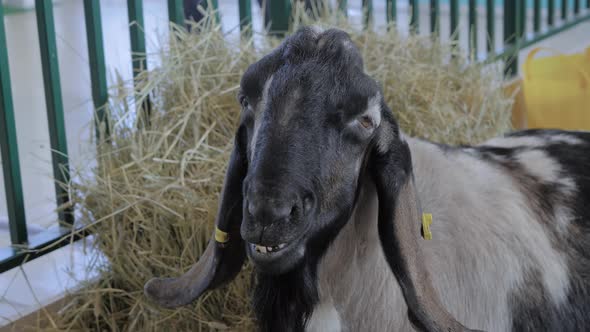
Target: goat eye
x,y
366,121
244,102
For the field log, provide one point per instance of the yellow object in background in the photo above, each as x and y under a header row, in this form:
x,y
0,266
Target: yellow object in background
x,y
557,90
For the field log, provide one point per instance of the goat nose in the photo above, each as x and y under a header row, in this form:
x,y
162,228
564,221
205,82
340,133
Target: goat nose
x,y
268,211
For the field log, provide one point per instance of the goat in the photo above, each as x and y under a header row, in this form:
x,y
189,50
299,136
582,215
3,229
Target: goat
x,y
326,196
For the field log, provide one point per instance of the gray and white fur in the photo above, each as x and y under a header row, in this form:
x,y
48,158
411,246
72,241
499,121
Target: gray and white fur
x,y
324,194
501,256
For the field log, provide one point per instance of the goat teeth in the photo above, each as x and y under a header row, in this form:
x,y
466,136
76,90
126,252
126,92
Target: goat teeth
x,y
260,249
270,249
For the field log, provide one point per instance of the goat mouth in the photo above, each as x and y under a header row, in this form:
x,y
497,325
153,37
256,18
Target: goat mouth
x,y
267,249
276,258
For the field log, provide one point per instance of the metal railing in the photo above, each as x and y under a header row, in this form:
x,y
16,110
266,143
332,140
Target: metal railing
x,y
25,248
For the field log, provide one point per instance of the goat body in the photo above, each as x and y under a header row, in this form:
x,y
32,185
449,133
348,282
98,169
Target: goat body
x,y
510,247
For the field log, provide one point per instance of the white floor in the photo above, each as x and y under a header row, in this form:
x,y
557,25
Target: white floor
x,y
31,121
45,280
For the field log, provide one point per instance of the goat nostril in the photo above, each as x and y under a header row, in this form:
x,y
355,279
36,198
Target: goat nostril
x,y
293,211
284,212
307,203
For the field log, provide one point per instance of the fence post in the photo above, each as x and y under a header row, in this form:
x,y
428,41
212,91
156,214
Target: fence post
x,y
343,6
215,9
491,26
415,16
9,149
280,14
454,19
138,52
176,12
550,12
473,28
54,104
537,16
98,77
435,17
513,32
245,16
522,10
137,35
367,12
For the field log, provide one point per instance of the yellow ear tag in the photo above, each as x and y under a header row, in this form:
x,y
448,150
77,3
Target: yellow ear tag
x,y
426,222
221,236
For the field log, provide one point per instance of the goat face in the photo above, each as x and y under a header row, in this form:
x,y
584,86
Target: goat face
x,y
310,113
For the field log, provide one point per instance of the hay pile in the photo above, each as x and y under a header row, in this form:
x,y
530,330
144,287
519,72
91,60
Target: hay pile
x,y
152,200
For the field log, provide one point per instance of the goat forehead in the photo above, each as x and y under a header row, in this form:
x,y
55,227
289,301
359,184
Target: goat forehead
x,y
296,95
309,75
287,108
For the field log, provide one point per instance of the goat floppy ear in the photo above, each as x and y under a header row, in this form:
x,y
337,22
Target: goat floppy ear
x,y
399,228
225,253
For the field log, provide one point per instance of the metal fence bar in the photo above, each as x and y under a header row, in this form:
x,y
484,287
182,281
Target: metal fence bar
x,y
280,13
9,149
491,26
473,28
39,245
415,16
98,78
367,12
576,7
588,4
176,12
522,10
138,50
391,8
245,9
54,104
137,36
511,27
343,6
537,16
454,19
510,50
550,12
435,17
564,9
215,7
